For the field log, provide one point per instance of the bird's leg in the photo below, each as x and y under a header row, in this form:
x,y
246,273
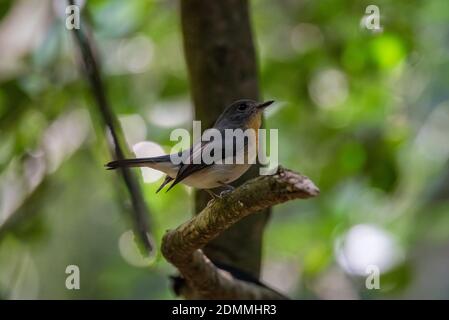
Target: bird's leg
x,y
224,192
229,188
212,194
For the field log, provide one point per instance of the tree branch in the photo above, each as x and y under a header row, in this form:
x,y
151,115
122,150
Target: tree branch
x,y
92,71
182,246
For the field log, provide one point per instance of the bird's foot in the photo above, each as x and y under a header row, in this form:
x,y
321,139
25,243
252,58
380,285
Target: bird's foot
x,y
228,187
213,196
225,192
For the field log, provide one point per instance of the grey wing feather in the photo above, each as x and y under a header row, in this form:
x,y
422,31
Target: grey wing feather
x,y
190,168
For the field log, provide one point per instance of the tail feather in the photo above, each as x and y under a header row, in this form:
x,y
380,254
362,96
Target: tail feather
x,y
139,162
167,180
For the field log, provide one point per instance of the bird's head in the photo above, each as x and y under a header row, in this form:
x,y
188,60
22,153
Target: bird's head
x,y
242,114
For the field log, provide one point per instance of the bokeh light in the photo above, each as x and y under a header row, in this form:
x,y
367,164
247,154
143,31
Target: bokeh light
x,y
169,114
134,128
145,149
329,88
367,245
131,253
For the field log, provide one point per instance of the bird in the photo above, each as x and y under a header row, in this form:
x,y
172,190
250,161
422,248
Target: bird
x,y
193,170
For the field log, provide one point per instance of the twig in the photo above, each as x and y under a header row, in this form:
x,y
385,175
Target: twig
x,y
91,68
182,246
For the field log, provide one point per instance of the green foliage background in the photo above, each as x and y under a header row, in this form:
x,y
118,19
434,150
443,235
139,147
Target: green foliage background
x,y
364,114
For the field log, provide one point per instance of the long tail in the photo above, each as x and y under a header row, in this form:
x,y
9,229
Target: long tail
x,y
139,162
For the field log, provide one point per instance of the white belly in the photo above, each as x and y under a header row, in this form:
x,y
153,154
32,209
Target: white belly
x,y
211,177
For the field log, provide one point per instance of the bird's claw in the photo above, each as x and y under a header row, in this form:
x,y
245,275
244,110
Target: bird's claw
x,y
225,192
219,196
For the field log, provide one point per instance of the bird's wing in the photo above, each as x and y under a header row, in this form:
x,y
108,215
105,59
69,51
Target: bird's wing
x,y
195,161
192,164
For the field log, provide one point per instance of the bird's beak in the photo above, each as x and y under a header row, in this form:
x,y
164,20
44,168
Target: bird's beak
x,y
265,104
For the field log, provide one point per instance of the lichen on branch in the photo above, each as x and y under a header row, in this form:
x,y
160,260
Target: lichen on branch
x,y
182,246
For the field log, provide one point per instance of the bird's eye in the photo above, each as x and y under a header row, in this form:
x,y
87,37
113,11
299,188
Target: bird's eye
x,y
242,107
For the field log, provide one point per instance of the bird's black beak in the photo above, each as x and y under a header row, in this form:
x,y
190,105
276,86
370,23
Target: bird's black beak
x,y
265,104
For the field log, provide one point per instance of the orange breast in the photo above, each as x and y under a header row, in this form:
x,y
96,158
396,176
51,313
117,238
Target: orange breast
x,y
255,123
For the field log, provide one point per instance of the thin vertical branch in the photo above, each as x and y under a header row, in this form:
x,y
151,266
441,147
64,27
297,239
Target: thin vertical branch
x,y
92,71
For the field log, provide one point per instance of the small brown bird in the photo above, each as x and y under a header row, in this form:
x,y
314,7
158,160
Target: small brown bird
x,y
242,114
